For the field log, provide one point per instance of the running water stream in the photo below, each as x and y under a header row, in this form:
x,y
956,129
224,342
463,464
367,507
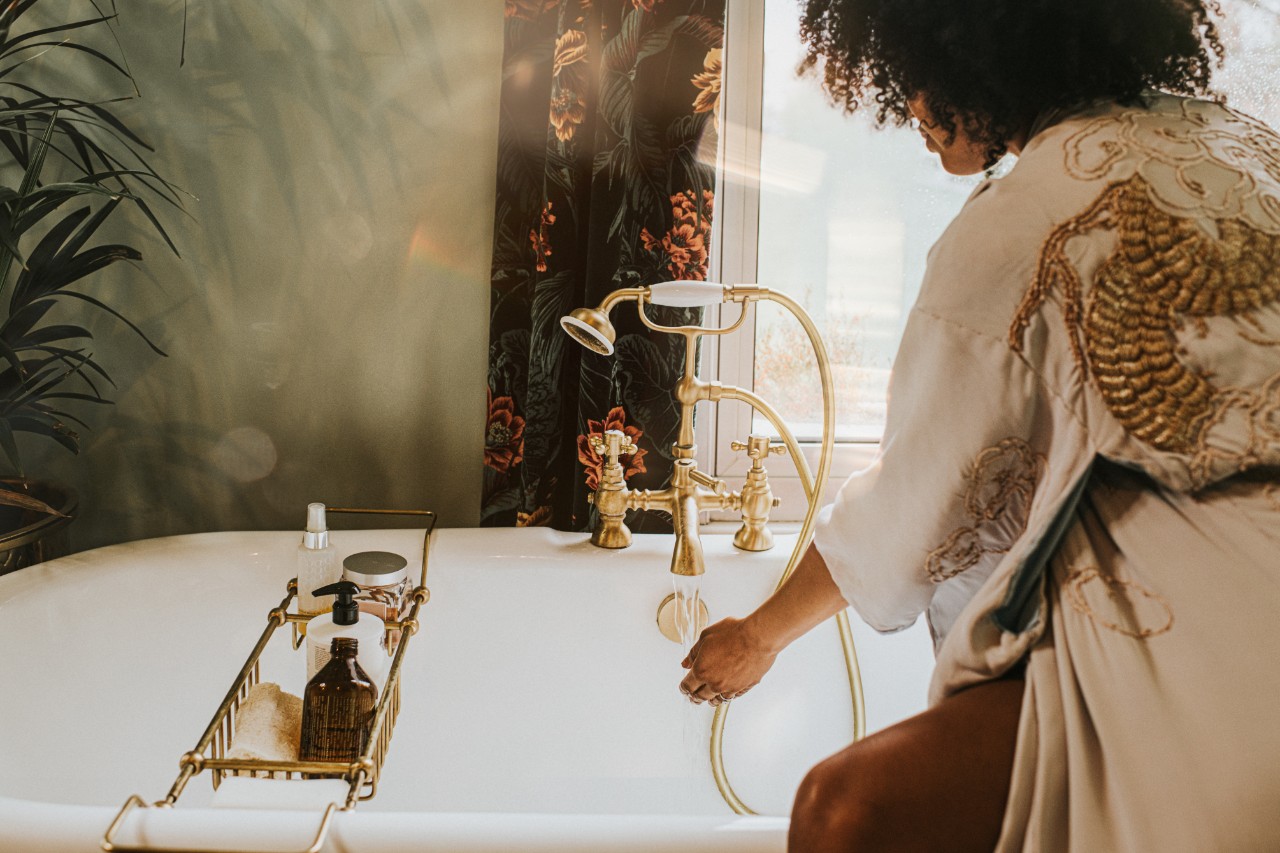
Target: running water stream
x,y
688,606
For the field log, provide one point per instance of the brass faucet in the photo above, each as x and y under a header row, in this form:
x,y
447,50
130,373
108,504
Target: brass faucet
x,y
691,492
611,498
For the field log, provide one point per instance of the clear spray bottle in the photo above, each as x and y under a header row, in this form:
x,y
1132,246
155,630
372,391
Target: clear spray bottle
x,y
317,563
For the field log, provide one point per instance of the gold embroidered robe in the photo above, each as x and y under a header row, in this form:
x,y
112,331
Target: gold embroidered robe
x,y
1081,468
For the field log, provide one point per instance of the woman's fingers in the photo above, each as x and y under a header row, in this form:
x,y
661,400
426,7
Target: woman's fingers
x,y
704,693
699,692
720,696
691,687
722,664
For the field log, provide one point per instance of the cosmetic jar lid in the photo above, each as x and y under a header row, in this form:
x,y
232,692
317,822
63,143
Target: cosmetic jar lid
x,y
375,568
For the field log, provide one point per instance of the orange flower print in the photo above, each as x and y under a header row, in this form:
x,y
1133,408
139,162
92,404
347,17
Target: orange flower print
x,y
528,9
592,462
683,208
541,238
708,85
504,436
571,51
683,249
569,78
568,109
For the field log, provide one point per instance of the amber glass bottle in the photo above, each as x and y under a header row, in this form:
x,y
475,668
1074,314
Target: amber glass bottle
x,y
337,708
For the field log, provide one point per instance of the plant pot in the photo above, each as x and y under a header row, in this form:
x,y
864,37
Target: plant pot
x,y
28,537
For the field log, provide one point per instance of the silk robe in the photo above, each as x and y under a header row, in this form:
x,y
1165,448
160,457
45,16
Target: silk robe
x,y
1081,471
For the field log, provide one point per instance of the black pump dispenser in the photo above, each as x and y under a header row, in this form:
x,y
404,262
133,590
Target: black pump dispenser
x,y
345,609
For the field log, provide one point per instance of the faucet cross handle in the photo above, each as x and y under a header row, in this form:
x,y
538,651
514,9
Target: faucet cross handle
x,y
610,499
758,447
757,497
612,444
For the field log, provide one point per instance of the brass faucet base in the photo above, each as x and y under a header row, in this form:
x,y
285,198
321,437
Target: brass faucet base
x,y
610,499
667,618
752,538
611,536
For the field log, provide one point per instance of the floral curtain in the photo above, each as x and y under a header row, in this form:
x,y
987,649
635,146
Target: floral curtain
x,y
605,180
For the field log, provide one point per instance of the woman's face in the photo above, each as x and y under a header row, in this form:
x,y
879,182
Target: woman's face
x,y
961,155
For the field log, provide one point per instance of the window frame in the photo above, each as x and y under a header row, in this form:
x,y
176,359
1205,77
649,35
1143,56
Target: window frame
x,y
734,244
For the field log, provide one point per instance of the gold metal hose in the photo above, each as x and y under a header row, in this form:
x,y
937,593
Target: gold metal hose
x,y
813,493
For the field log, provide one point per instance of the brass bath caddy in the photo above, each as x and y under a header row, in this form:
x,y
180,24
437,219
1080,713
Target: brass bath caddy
x,y
361,775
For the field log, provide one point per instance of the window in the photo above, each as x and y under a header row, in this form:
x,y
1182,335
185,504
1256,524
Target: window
x,y
840,216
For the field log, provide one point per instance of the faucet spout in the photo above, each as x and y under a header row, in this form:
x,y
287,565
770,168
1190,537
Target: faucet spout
x,y
687,558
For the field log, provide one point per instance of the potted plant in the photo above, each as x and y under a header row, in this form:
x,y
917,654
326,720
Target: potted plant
x,y
68,164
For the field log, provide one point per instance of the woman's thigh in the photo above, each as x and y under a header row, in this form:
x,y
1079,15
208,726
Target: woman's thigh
x,y
935,782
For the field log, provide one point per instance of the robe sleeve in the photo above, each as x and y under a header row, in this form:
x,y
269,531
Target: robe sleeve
x,y
952,487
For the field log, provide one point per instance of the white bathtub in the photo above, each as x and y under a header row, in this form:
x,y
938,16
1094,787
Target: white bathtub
x,y
540,709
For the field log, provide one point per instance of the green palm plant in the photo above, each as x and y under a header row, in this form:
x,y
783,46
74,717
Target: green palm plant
x,y
48,253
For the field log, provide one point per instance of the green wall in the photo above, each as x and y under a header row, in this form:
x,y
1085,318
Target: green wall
x,y
326,326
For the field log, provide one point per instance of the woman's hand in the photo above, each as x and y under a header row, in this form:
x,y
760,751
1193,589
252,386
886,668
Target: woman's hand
x,y
728,660
734,654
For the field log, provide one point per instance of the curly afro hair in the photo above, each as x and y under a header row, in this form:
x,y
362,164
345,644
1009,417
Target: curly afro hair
x,y
994,65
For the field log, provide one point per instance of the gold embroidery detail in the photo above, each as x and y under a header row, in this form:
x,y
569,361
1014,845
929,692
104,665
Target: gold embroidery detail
x,y
961,551
1116,591
1003,482
998,502
1200,158
1257,340
1261,412
1272,494
1163,271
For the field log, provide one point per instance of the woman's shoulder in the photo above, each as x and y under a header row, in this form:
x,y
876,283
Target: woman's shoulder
x,y
1079,178
1195,159
979,267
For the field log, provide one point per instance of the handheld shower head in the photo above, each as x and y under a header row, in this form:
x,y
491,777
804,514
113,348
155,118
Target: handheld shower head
x,y
591,328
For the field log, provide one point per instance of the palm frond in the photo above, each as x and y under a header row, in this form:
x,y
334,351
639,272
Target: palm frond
x,y
96,165
10,45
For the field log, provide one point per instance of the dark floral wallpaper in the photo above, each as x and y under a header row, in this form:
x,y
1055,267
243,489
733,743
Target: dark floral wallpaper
x,y
606,157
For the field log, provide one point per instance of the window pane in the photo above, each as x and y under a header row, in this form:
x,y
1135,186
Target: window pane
x,y
847,215
1251,75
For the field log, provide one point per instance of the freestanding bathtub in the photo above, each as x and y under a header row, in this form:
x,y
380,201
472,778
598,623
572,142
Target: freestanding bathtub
x,y
540,708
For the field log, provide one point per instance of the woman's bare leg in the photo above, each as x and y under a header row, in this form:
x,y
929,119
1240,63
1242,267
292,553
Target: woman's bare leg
x,y
935,782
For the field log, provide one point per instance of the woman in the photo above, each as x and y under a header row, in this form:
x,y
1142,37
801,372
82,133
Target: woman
x,y
1078,484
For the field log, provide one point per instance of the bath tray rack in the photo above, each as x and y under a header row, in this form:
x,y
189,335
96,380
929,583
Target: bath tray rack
x,y
361,775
